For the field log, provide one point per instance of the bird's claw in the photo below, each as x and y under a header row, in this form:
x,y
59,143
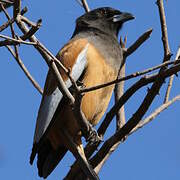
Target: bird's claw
x,y
93,137
80,84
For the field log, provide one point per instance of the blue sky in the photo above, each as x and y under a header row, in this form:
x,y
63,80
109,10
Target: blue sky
x,y
152,153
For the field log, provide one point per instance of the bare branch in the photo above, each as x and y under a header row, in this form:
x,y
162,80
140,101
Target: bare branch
x,y
7,1
32,31
119,89
118,92
87,169
27,21
167,52
5,25
138,43
12,41
17,58
171,80
85,5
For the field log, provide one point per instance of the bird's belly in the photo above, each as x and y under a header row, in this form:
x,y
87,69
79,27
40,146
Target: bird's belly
x,y
95,103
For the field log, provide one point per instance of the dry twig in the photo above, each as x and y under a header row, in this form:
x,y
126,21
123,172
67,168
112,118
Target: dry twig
x,y
12,41
171,80
85,5
16,54
138,43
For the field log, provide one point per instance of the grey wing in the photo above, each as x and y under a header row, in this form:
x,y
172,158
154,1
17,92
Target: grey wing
x,y
50,102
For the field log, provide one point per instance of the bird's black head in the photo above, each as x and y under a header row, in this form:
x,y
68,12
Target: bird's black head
x,y
105,19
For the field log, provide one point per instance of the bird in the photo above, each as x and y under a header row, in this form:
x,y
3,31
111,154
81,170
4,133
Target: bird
x,y
93,56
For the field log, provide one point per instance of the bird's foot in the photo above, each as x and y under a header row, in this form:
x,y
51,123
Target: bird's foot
x,y
93,137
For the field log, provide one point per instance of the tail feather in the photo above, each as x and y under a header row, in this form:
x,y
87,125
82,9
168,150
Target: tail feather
x,y
43,152
52,161
48,158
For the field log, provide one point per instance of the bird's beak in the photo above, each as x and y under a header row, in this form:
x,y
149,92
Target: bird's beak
x,y
123,17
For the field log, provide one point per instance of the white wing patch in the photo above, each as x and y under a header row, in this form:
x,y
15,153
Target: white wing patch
x,y
79,66
49,103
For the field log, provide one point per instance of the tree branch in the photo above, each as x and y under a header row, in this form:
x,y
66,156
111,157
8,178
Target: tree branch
x,y
16,55
119,89
85,5
171,80
167,52
6,24
32,31
138,43
12,41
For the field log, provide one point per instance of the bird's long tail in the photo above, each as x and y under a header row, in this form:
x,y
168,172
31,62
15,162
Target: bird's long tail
x,y
48,158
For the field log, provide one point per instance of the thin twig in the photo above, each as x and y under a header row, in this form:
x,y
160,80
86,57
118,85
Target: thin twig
x,y
27,21
118,92
12,41
6,24
7,1
138,42
17,58
119,89
87,169
171,81
32,31
133,75
85,5
167,52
